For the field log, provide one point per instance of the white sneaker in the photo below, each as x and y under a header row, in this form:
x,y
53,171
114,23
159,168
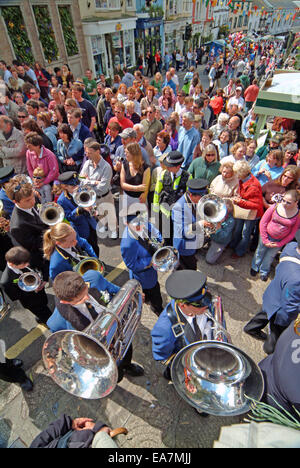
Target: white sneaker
x,y
114,235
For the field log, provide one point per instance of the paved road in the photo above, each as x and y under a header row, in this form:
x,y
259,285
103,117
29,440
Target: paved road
x,y
148,406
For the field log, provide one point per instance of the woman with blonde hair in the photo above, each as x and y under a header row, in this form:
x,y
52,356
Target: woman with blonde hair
x,y
122,93
270,168
63,247
135,176
238,152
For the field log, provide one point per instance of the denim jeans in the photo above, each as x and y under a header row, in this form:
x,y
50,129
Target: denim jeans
x,y
242,235
263,258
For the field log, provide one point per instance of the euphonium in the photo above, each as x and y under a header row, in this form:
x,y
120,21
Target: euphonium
x,y
212,209
85,363
51,213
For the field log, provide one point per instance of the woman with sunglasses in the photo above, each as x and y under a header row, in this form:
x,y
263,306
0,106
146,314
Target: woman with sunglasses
x,y
275,189
277,227
206,167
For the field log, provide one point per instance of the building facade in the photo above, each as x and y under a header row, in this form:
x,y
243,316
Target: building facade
x,y
44,31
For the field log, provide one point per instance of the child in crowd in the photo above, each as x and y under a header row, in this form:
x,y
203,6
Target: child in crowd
x,y
45,191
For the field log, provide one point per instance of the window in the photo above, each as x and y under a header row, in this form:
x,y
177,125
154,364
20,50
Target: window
x,y
108,4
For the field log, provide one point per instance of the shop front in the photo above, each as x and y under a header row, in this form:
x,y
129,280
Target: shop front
x,y
149,34
111,45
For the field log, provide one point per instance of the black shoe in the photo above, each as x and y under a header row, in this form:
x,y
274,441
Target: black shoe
x,y
253,272
264,277
258,334
27,386
134,370
167,374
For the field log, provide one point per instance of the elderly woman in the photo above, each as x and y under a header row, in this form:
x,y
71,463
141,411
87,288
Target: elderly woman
x,y
221,125
277,227
249,197
238,153
207,167
270,168
226,184
223,143
275,189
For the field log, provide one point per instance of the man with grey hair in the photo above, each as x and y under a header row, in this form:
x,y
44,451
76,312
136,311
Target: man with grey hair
x,y
188,138
128,135
12,145
221,125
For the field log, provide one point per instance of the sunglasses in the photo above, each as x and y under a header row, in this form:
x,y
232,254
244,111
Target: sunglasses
x,y
22,116
210,155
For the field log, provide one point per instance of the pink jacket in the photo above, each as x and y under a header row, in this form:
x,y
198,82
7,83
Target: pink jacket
x,y
272,223
48,162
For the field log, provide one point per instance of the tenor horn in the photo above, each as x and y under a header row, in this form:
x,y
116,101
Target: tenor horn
x,y
85,363
89,263
51,213
29,281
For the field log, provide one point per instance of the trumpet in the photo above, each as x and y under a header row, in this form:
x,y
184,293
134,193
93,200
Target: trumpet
x,y
51,213
85,197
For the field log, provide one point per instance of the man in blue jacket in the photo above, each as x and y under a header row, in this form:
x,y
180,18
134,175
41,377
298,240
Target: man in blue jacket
x,y
281,300
79,218
137,253
188,229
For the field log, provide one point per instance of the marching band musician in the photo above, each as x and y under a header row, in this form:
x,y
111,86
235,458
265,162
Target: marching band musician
x,y
64,248
79,305
137,253
79,218
6,174
188,236
11,370
18,262
26,226
182,321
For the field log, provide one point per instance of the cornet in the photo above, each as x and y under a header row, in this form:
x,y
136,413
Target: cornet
x,y
30,281
85,197
51,214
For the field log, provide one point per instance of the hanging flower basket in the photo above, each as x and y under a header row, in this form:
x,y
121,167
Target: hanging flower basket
x,y
46,33
17,33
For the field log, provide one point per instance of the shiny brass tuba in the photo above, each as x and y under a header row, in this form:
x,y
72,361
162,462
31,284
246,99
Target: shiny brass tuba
x,y
212,209
85,363
51,213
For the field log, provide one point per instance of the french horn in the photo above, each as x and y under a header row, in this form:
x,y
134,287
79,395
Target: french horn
x,y
51,213
212,209
85,363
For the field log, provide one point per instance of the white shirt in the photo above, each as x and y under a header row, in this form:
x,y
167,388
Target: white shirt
x,y
202,322
83,309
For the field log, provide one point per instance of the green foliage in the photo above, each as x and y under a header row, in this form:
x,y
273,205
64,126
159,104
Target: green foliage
x,y
46,33
68,30
17,33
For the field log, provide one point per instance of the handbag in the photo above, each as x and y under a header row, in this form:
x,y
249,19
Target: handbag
x,y
244,213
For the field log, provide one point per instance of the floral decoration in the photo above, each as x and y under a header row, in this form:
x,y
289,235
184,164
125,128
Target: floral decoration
x,y
16,29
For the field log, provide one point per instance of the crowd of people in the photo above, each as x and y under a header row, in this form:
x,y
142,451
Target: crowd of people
x,y
149,150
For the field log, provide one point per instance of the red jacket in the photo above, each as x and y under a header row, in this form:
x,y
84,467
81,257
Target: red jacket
x,y
251,193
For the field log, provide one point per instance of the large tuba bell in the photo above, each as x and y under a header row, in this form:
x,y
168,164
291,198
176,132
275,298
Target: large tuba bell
x,y
51,213
216,378
30,281
89,263
212,209
85,363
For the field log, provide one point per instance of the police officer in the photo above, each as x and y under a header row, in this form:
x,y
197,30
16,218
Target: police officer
x,y
79,218
188,229
182,321
137,253
170,186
